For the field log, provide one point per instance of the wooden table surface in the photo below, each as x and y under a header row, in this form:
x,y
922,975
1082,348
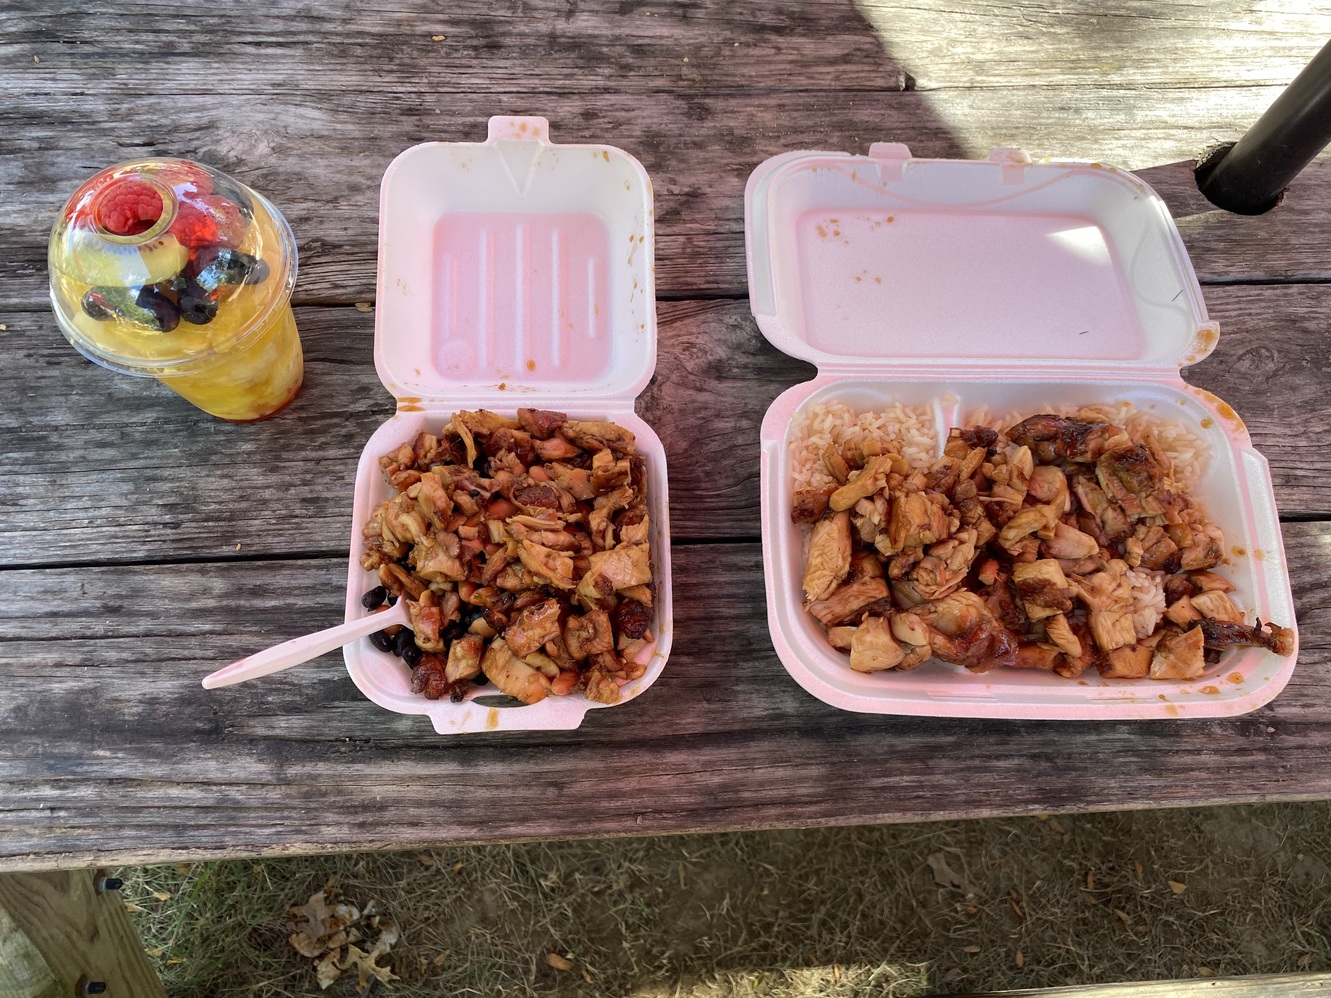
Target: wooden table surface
x,y
143,544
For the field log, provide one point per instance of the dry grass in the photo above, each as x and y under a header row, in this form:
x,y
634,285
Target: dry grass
x,y
833,912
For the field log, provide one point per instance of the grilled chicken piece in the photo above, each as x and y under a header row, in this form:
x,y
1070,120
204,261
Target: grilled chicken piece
x,y
848,602
577,482
1038,656
1217,606
556,567
963,631
1029,521
841,637
946,565
810,504
512,675
588,634
917,519
464,658
601,687
1049,486
870,479
533,627
1113,522
436,558
619,568
1043,588
426,620
1112,629
608,472
872,649
1133,478
1127,662
1179,655
541,423
1069,544
555,449
1060,633
1071,439
596,436
1206,551
1219,635
828,560
836,465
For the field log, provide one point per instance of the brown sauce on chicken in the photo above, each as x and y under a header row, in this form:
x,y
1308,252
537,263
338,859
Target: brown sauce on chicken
x,y
1021,549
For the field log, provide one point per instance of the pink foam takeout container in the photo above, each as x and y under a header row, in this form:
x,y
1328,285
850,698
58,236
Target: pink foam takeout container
x,y
514,272
1017,285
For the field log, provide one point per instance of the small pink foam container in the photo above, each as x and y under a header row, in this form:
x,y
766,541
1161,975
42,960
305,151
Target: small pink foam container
x,y
1017,285
513,273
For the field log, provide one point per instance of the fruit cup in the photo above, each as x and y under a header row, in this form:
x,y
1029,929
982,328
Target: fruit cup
x,y
167,269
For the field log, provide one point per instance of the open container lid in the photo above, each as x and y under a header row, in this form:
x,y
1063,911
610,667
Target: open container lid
x,y
890,261
515,265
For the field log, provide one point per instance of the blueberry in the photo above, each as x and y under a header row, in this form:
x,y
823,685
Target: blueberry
x,y
382,640
374,598
161,311
196,305
213,266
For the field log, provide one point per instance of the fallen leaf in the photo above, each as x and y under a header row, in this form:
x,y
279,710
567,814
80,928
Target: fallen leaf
x,y
457,867
1304,960
586,975
326,970
3,327
1137,867
1123,916
425,861
944,875
558,962
972,950
305,946
1090,880
162,895
1016,907
366,965
130,906
318,926
1176,886
364,306
439,958
1143,929
154,952
437,38
175,960
1205,972
1019,959
182,867
836,973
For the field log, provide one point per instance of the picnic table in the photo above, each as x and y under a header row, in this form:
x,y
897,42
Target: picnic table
x,y
145,544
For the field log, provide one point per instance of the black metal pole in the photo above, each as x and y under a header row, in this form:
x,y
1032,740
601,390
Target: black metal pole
x,y
1250,176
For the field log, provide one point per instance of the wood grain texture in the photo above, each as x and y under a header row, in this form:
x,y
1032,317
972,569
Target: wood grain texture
x,y
100,467
1256,986
79,932
114,754
320,158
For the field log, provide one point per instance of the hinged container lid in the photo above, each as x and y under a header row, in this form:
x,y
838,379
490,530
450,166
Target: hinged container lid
x,y
515,266
887,261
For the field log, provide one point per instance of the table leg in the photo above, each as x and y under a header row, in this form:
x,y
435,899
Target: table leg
x,y
59,936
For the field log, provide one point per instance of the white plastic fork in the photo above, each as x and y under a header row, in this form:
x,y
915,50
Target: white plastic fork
x,y
304,648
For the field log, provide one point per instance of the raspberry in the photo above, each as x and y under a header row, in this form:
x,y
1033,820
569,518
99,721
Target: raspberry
x,y
209,220
128,207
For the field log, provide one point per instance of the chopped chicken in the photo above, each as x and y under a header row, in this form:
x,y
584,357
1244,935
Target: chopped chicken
x,y
619,568
556,567
1217,606
828,560
1043,588
848,601
964,632
1179,655
533,627
512,675
541,423
810,504
872,649
869,480
587,634
1061,634
1037,656
464,658
1069,543
1128,662
597,436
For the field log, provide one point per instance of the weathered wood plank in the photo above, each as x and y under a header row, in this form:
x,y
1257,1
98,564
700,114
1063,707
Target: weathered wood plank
x,y
171,483
638,47
1255,986
111,752
309,153
82,935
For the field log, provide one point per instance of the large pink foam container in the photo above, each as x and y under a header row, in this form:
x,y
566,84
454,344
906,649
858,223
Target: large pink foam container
x,y
514,272
1017,285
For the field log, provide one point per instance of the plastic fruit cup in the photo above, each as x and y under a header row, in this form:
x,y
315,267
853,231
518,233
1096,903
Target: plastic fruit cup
x,y
168,269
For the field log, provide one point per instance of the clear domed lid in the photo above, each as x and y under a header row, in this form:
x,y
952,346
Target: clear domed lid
x,y
158,265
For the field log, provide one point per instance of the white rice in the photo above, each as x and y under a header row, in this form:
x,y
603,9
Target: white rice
x,y
1148,600
906,430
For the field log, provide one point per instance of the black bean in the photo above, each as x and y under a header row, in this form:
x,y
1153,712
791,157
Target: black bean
x,y
481,679
382,640
374,598
411,655
403,638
